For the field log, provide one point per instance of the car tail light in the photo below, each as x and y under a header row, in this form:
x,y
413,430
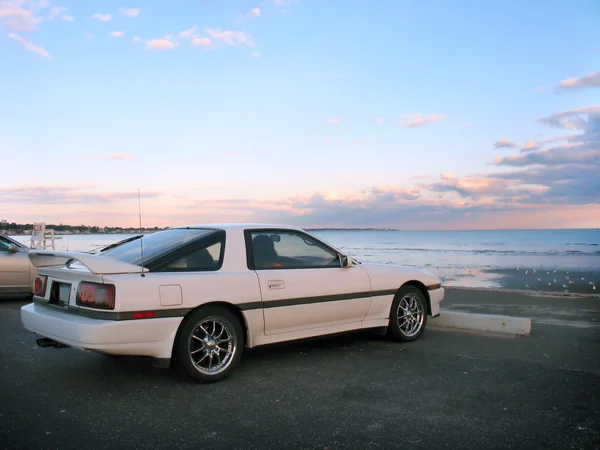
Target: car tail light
x,y
95,295
39,286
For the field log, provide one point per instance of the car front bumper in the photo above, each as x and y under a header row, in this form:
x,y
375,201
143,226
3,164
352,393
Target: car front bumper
x,y
144,337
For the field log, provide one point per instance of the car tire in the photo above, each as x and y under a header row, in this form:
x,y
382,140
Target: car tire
x,y
408,315
209,344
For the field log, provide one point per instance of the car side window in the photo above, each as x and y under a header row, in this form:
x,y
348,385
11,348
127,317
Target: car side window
x,y
3,245
200,259
290,250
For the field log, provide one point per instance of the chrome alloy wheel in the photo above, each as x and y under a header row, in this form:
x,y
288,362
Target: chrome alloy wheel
x,y
211,345
410,314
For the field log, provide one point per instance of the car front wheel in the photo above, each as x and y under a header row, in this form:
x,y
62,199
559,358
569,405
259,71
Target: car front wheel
x,y
210,344
408,316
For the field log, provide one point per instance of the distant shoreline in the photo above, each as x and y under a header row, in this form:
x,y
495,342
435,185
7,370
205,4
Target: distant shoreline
x,y
87,232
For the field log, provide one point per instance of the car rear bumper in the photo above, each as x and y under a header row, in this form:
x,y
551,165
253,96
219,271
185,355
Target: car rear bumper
x,y
435,297
141,337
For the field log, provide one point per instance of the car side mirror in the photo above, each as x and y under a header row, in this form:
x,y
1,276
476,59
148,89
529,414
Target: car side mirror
x,y
345,261
13,248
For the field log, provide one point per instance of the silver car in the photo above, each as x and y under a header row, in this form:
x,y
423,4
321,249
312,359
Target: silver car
x,y
16,271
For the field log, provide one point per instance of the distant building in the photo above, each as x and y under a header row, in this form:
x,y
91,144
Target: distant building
x,y
3,223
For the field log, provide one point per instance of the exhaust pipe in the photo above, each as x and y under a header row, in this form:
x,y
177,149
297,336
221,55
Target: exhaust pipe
x,y
47,342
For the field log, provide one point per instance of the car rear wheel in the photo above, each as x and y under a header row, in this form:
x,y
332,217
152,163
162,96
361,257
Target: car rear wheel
x,y
209,344
408,316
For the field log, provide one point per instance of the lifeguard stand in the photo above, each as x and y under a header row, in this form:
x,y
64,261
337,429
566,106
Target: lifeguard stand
x,y
41,237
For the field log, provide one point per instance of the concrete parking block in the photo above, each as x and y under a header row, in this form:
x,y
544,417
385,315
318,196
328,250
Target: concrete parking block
x,y
490,323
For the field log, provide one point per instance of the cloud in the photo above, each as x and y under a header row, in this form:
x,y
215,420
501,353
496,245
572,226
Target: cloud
x,y
536,145
160,44
571,119
15,18
117,33
470,186
130,12
68,18
187,34
65,195
202,42
56,11
587,81
379,121
566,154
418,119
504,143
114,156
29,46
256,54
335,120
233,38
136,39
102,17
254,12
284,3
568,173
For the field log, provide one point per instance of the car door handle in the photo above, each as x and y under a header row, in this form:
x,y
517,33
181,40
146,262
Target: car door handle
x,y
276,284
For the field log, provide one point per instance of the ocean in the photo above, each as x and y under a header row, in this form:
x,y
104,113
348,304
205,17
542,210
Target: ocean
x,y
487,259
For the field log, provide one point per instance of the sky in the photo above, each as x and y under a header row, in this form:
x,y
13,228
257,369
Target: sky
x,y
313,113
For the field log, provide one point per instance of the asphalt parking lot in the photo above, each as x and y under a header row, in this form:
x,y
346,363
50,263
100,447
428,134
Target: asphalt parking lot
x,y
447,390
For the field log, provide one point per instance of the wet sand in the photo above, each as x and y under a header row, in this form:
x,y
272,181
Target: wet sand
x,y
546,280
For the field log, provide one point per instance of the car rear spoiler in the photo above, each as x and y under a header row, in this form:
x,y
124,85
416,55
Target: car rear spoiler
x,y
99,265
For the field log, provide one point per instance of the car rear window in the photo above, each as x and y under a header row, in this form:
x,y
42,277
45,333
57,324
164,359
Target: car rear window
x,y
155,245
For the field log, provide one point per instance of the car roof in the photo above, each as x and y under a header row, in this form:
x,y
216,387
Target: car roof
x,y
237,226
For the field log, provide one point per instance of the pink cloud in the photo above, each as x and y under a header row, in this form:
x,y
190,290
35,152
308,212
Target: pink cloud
x,y
419,120
29,46
563,154
117,33
233,38
102,17
56,11
570,119
535,145
335,120
590,80
13,17
186,34
160,44
202,42
130,12
504,143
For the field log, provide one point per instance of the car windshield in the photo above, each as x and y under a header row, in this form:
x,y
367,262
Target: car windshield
x,y
154,245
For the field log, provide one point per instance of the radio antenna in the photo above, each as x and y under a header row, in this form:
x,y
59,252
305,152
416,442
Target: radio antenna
x,y
141,237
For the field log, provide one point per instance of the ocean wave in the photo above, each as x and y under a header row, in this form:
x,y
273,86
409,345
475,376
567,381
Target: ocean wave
x,y
477,252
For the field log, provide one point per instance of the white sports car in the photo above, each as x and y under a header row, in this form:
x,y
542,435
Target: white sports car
x,y
199,295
